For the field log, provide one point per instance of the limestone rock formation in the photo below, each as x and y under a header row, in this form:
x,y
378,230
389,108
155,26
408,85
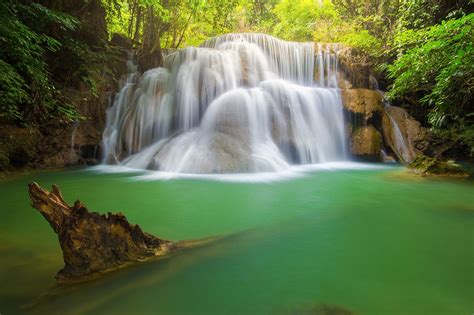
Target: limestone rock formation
x,y
362,101
366,143
356,69
364,108
403,134
93,243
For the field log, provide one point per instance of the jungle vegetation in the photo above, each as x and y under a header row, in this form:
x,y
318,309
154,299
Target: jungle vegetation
x,y
422,50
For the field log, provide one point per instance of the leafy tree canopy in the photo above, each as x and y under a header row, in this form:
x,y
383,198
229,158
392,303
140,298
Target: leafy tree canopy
x,y
422,48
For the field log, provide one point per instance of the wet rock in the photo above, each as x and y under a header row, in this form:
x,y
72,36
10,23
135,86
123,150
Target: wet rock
x,y
150,59
220,153
230,155
387,158
432,166
93,243
342,81
320,309
403,134
362,101
366,143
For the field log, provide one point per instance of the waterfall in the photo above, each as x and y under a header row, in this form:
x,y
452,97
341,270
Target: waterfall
x,y
399,142
238,103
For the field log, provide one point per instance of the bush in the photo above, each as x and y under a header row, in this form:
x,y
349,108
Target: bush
x,y
26,90
438,63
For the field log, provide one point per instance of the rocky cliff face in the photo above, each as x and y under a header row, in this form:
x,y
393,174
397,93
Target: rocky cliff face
x,y
356,70
405,136
57,145
364,102
18,146
363,111
54,143
368,119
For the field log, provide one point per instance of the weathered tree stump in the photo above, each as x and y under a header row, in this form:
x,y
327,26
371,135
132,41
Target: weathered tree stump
x,y
94,243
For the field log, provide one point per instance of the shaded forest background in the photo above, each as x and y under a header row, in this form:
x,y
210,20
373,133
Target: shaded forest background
x,y
421,51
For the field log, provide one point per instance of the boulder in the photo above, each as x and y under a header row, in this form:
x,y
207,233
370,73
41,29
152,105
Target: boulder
x,y
219,153
319,309
362,101
403,134
366,143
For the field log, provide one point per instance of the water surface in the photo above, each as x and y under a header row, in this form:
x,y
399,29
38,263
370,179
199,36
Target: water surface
x,y
372,241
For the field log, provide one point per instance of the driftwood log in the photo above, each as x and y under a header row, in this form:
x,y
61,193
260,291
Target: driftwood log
x,y
94,243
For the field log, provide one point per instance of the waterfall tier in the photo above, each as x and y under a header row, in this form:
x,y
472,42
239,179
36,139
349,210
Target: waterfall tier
x,y
239,103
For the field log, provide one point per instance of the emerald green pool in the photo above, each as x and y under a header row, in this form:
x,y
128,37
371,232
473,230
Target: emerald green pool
x,y
372,241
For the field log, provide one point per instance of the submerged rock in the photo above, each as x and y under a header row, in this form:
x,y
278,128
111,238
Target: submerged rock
x,y
432,166
403,134
366,143
93,243
320,309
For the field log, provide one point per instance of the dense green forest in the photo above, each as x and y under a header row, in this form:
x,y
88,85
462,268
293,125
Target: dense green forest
x,y
421,50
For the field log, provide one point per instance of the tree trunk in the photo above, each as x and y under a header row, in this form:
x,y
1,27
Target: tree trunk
x,y
93,243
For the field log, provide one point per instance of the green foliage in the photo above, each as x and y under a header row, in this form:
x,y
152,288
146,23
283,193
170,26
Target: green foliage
x,y
364,41
256,16
26,90
190,26
13,91
128,17
438,63
297,19
306,20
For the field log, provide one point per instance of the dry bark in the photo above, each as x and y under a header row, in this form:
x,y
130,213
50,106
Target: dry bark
x,y
94,243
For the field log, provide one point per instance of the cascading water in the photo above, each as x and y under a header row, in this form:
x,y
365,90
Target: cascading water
x,y
239,103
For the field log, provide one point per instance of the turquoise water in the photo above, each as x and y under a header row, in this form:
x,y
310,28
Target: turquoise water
x,y
372,241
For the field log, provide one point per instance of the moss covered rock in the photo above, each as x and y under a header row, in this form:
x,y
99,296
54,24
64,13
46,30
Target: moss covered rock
x,y
432,166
